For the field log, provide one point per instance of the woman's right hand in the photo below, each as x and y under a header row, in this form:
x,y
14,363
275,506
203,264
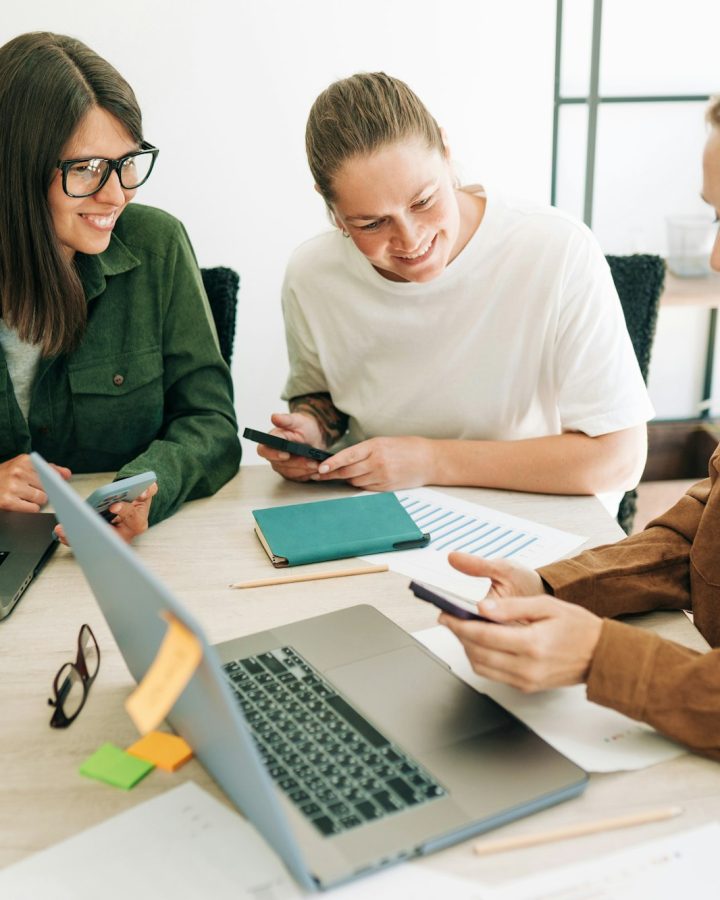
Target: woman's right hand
x,y
20,487
299,427
507,579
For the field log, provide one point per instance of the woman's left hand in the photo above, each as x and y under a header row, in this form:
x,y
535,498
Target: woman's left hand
x,y
131,519
539,643
382,464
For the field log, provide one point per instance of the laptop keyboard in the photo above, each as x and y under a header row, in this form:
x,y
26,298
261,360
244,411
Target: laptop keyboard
x,y
336,767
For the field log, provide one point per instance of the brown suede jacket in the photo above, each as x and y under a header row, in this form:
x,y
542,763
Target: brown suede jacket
x,y
673,564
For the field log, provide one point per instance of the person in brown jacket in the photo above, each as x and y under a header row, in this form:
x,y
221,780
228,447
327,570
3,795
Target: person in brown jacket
x,y
570,638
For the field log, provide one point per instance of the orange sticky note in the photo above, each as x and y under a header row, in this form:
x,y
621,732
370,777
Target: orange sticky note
x,y
174,665
166,751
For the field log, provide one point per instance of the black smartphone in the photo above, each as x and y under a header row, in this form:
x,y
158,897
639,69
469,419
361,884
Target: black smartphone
x,y
278,443
457,606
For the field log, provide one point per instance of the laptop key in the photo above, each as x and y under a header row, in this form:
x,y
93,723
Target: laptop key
x,y
310,809
339,809
367,810
252,665
272,663
385,800
325,825
433,790
403,790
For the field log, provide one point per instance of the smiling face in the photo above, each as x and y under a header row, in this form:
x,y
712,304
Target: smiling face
x,y
711,186
402,211
84,224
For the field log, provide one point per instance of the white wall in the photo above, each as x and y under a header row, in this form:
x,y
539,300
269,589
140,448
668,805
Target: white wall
x,y
225,89
648,154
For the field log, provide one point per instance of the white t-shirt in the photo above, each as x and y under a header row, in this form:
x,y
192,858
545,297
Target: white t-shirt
x,y
521,336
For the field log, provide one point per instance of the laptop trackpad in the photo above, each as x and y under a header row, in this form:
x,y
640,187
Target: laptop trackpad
x,y
415,700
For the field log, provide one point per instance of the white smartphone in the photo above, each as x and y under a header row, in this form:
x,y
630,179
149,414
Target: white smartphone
x,y
126,489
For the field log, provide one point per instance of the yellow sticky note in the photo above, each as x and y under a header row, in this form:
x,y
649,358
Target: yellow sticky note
x,y
177,658
166,751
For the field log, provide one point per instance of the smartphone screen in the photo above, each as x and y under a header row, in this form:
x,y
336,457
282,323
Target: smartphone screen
x,y
460,607
280,443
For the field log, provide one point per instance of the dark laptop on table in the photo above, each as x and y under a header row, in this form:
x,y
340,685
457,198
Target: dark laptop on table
x,y
346,743
26,544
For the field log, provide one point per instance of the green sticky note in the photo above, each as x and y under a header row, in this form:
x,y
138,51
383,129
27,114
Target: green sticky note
x,y
116,767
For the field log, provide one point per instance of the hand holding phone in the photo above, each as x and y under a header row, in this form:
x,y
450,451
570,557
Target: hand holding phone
x,y
123,491
280,443
451,603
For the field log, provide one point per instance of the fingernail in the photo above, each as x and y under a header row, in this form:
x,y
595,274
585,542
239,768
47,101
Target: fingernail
x,y
284,455
323,469
314,478
488,604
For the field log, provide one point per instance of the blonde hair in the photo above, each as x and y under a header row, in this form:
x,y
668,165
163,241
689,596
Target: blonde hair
x,y
713,112
358,115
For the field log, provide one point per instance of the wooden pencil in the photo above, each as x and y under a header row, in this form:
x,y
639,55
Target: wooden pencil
x,y
310,576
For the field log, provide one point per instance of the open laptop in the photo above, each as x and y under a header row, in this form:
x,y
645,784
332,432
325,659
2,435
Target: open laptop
x,y
26,544
346,743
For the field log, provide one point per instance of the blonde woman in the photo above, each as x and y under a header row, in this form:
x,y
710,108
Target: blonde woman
x,y
447,335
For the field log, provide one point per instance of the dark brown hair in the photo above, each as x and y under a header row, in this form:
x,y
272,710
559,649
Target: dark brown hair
x,y
48,83
358,115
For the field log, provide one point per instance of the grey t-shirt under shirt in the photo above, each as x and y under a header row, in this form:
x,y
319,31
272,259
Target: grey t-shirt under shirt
x,y
22,362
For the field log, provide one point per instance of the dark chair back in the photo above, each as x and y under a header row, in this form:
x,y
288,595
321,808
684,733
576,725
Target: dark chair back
x,y
221,286
639,282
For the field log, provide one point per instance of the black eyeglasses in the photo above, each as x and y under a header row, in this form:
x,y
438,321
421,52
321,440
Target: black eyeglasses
x,y
85,177
72,682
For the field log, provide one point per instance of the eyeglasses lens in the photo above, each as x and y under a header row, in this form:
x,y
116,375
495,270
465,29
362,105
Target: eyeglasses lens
x,y
135,170
85,177
89,651
70,690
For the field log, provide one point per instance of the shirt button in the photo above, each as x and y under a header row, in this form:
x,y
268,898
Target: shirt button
x,y
118,379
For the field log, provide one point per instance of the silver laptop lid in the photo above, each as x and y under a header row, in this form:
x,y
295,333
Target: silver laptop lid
x,y
206,714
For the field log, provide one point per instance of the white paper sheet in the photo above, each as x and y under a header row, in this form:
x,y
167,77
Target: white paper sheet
x,y
596,738
455,524
182,845
682,865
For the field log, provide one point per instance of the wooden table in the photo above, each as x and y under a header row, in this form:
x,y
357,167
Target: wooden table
x,y
198,552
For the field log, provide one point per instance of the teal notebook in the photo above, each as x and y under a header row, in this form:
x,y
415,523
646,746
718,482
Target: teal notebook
x,y
334,529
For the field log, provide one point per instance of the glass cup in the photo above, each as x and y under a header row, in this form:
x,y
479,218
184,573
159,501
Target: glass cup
x,y
689,240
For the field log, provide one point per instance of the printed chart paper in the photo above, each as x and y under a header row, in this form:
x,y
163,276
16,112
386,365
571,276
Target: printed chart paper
x,y
455,524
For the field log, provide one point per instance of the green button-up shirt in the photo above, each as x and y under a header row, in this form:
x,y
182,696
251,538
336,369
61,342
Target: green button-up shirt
x,y
147,387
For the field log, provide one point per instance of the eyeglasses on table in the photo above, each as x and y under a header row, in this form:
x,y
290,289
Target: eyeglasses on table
x,y
73,680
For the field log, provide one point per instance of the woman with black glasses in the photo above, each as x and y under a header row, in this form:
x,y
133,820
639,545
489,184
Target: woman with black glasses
x,y
108,354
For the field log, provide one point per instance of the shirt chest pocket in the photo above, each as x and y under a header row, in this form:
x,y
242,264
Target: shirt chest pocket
x,y
118,403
